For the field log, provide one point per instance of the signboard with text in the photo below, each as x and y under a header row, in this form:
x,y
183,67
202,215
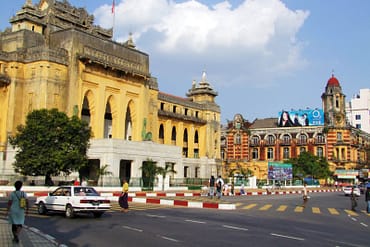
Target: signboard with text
x,y
350,174
279,171
296,118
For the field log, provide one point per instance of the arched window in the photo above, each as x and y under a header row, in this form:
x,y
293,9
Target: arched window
x,y
173,135
161,132
196,138
270,140
286,139
303,139
185,152
185,136
108,121
320,138
128,125
85,112
255,140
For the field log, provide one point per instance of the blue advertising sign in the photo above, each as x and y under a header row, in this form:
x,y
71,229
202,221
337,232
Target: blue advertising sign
x,y
278,171
308,117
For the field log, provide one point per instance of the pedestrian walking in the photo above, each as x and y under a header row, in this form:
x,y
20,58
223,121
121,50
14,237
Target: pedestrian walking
x,y
353,200
17,209
219,187
242,191
367,198
211,185
226,189
232,188
123,199
305,195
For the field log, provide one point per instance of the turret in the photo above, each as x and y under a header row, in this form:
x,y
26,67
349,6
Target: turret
x,y
333,101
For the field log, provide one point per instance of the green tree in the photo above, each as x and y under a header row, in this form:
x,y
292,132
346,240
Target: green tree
x,y
308,164
103,171
164,171
150,170
50,143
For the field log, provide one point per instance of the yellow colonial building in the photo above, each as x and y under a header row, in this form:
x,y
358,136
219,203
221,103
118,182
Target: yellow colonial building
x,y
53,56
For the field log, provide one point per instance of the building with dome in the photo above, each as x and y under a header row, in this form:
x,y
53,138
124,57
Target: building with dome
x,y
327,133
53,56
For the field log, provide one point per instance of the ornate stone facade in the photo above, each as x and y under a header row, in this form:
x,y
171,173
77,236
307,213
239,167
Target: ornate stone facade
x,y
53,56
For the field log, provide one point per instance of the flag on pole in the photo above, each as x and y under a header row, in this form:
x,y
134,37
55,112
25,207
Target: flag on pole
x,y
113,5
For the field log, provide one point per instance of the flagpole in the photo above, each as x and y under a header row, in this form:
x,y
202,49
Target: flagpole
x,y
114,17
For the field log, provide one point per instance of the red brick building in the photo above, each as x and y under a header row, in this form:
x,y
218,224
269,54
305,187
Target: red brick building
x,y
251,145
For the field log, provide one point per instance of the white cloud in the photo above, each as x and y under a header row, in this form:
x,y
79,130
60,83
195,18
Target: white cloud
x,y
258,37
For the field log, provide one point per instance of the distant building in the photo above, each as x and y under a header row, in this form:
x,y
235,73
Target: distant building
x,y
252,145
358,110
53,56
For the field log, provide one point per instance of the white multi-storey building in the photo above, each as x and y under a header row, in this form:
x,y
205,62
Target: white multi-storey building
x,y
358,110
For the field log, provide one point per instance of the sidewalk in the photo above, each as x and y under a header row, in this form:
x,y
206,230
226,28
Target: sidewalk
x,y
29,237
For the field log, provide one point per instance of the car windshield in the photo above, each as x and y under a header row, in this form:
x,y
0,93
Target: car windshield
x,y
85,191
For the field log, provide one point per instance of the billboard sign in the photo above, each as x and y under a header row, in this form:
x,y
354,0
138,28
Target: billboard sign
x,y
349,174
308,117
279,171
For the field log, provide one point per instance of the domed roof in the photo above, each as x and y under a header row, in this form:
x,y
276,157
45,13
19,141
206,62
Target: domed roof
x,y
333,81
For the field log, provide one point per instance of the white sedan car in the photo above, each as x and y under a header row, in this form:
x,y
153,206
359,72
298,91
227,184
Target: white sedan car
x,y
72,200
347,190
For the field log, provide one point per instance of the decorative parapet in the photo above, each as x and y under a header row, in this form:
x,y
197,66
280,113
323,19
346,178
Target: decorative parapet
x,y
94,55
181,117
188,102
33,54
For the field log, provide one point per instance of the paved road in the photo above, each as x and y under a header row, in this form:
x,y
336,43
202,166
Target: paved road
x,y
257,221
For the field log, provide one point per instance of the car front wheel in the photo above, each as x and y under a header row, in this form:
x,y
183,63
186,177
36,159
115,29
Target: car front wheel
x,y
70,212
41,208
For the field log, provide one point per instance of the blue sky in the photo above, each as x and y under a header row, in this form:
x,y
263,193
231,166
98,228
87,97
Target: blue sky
x,y
261,56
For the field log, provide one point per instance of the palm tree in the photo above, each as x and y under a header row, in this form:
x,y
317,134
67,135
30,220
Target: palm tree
x,y
164,171
103,171
151,170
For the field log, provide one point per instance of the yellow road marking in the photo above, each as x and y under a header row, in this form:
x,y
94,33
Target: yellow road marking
x,y
266,207
298,209
350,212
282,208
316,210
250,206
333,211
364,211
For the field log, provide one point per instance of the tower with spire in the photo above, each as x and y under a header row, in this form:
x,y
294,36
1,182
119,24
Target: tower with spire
x,y
334,104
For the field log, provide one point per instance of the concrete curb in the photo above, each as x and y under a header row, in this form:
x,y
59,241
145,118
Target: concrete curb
x,y
152,197
184,194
